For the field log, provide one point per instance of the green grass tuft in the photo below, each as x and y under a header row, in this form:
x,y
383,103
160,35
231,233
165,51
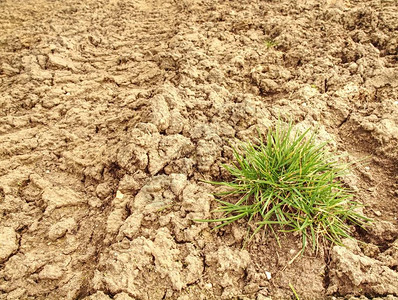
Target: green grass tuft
x,y
287,182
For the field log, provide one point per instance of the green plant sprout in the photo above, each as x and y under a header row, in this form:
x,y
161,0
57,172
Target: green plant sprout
x,y
270,44
289,183
296,296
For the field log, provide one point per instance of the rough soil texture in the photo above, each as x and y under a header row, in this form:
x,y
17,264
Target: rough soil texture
x,y
112,112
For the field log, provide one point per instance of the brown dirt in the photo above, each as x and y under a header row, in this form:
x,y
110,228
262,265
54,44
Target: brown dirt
x,y
111,112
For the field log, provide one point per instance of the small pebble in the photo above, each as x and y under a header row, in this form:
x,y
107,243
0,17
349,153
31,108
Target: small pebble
x,y
377,213
268,274
208,286
367,168
119,195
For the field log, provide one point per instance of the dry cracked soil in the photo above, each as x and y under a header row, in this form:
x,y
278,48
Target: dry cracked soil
x,y
112,113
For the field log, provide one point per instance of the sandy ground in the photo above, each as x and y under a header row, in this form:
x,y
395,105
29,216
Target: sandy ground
x,y
112,112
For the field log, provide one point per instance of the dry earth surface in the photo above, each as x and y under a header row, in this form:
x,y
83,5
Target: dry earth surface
x,y
112,112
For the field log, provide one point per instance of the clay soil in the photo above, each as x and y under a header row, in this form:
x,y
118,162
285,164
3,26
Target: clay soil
x,y
113,112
